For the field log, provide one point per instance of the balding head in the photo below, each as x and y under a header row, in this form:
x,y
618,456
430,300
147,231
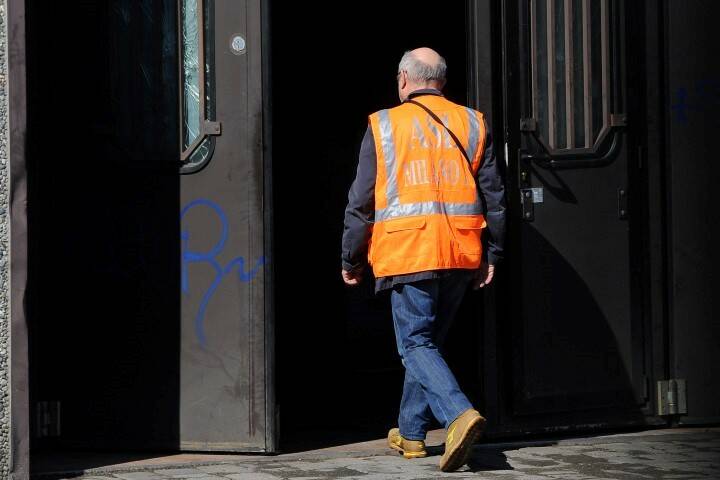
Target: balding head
x,y
420,68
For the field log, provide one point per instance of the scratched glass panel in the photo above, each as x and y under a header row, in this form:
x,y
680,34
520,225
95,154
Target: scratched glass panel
x,y
541,93
191,74
191,79
616,89
560,87
209,6
555,87
578,76
597,63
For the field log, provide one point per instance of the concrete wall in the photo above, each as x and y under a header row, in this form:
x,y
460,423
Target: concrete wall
x,y
4,255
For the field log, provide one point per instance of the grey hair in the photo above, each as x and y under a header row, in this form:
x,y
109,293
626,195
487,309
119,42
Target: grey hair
x,y
421,72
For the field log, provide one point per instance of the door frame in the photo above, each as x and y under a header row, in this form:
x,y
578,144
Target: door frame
x,y
272,425
484,92
648,54
19,445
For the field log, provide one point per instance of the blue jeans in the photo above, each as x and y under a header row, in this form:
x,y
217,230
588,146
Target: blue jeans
x,y
422,314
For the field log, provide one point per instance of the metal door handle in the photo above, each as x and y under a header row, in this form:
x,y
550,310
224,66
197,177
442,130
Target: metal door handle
x,y
591,159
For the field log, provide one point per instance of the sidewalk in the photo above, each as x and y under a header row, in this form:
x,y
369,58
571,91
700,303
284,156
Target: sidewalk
x,y
685,453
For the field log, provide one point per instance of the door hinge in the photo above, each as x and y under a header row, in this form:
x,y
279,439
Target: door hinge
x,y
671,396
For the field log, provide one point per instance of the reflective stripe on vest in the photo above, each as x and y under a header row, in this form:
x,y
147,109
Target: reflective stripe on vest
x,y
394,209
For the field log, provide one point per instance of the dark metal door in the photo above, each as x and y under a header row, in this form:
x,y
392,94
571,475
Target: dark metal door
x,y
226,401
577,342
692,101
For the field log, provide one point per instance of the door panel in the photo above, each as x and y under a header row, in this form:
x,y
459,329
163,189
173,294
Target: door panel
x,y
577,345
222,404
575,282
692,101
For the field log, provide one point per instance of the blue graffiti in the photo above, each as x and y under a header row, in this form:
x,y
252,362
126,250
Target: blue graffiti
x,y
705,97
210,258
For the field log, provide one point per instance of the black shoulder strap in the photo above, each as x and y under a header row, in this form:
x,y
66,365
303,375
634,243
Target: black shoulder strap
x,y
435,117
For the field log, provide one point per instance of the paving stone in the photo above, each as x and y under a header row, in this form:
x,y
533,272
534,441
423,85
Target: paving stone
x,y
181,472
637,456
149,475
253,476
628,473
206,477
95,477
226,468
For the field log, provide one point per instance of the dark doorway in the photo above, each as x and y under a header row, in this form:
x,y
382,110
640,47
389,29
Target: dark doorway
x,y
338,368
103,293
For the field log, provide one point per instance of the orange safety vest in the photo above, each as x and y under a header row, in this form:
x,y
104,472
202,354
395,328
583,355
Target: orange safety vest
x,y
428,214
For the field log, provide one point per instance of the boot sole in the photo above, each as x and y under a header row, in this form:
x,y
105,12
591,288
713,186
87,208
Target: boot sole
x,y
459,456
409,455
405,453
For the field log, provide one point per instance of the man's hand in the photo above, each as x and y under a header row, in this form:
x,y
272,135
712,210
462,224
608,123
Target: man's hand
x,y
352,279
483,276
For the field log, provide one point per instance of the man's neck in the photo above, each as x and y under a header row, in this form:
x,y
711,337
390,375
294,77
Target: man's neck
x,y
423,91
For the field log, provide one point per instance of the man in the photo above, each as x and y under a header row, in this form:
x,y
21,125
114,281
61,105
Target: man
x,y
427,184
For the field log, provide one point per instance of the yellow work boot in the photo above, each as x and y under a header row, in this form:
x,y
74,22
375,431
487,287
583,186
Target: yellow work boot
x,y
461,435
408,448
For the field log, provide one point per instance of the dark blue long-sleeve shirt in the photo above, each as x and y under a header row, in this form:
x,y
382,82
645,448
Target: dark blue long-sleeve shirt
x,y
360,211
